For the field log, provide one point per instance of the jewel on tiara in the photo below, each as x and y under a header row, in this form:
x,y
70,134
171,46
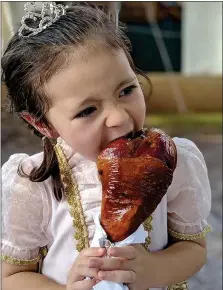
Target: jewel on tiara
x,y
36,20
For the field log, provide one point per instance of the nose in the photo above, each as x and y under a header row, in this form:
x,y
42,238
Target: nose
x,y
117,117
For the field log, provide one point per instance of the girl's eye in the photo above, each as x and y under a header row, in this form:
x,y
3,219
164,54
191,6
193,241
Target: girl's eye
x,y
86,113
127,91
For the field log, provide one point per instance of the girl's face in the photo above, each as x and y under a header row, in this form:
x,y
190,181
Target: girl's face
x,y
95,100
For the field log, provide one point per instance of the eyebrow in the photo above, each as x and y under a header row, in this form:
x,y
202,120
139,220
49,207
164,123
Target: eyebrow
x,y
125,82
121,84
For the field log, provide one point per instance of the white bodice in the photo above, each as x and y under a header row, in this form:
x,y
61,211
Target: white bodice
x,y
32,218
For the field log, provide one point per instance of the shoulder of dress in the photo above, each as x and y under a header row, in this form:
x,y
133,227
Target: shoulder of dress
x,y
187,148
27,162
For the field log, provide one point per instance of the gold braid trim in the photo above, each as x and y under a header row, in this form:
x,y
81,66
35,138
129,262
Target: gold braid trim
x,y
43,251
73,199
186,237
179,286
18,262
148,227
189,237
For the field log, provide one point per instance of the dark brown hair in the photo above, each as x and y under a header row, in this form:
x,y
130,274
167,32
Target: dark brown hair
x,y
28,63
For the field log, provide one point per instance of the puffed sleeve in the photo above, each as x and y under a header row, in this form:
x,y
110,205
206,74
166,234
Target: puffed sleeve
x,y
189,196
25,214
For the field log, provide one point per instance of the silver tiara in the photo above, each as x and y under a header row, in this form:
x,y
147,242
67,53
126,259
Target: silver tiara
x,y
37,18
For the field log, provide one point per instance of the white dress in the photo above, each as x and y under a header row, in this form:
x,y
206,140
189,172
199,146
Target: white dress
x,y
33,220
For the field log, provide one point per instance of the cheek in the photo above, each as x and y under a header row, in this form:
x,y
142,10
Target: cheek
x,y
139,108
64,128
76,136
83,139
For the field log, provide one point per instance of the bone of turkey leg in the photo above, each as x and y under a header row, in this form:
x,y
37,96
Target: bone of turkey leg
x,y
135,171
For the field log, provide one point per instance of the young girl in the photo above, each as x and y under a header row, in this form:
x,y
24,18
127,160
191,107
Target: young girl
x,y
70,76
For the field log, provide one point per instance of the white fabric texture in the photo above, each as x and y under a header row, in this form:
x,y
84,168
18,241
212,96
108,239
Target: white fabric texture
x,y
25,211
32,218
189,196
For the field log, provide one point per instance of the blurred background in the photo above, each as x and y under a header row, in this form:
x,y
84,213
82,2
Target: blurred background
x,y
179,46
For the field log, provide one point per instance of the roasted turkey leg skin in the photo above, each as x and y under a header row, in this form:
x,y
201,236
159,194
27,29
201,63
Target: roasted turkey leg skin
x,y
135,172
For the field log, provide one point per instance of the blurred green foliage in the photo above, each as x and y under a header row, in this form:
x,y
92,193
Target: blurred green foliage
x,y
190,123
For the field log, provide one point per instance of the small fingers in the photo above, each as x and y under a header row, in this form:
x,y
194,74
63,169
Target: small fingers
x,y
132,287
93,252
118,276
110,264
85,271
83,285
80,272
77,272
127,252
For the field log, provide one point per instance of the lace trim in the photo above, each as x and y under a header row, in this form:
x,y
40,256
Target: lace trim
x,y
189,237
148,227
18,262
179,286
74,201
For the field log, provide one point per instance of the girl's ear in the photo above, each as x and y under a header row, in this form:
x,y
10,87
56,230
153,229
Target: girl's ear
x,y
39,126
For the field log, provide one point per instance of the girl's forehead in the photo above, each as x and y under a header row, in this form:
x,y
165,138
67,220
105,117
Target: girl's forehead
x,y
96,72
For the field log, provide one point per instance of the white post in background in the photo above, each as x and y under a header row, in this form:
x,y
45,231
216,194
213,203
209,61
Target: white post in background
x,y
12,13
202,38
6,23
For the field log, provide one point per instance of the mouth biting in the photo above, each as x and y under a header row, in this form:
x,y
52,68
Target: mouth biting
x,y
130,135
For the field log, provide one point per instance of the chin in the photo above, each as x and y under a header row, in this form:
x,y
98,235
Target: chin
x,y
92,157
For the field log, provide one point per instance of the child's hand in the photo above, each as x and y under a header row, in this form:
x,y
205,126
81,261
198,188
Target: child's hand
x,y
130,265
81,269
